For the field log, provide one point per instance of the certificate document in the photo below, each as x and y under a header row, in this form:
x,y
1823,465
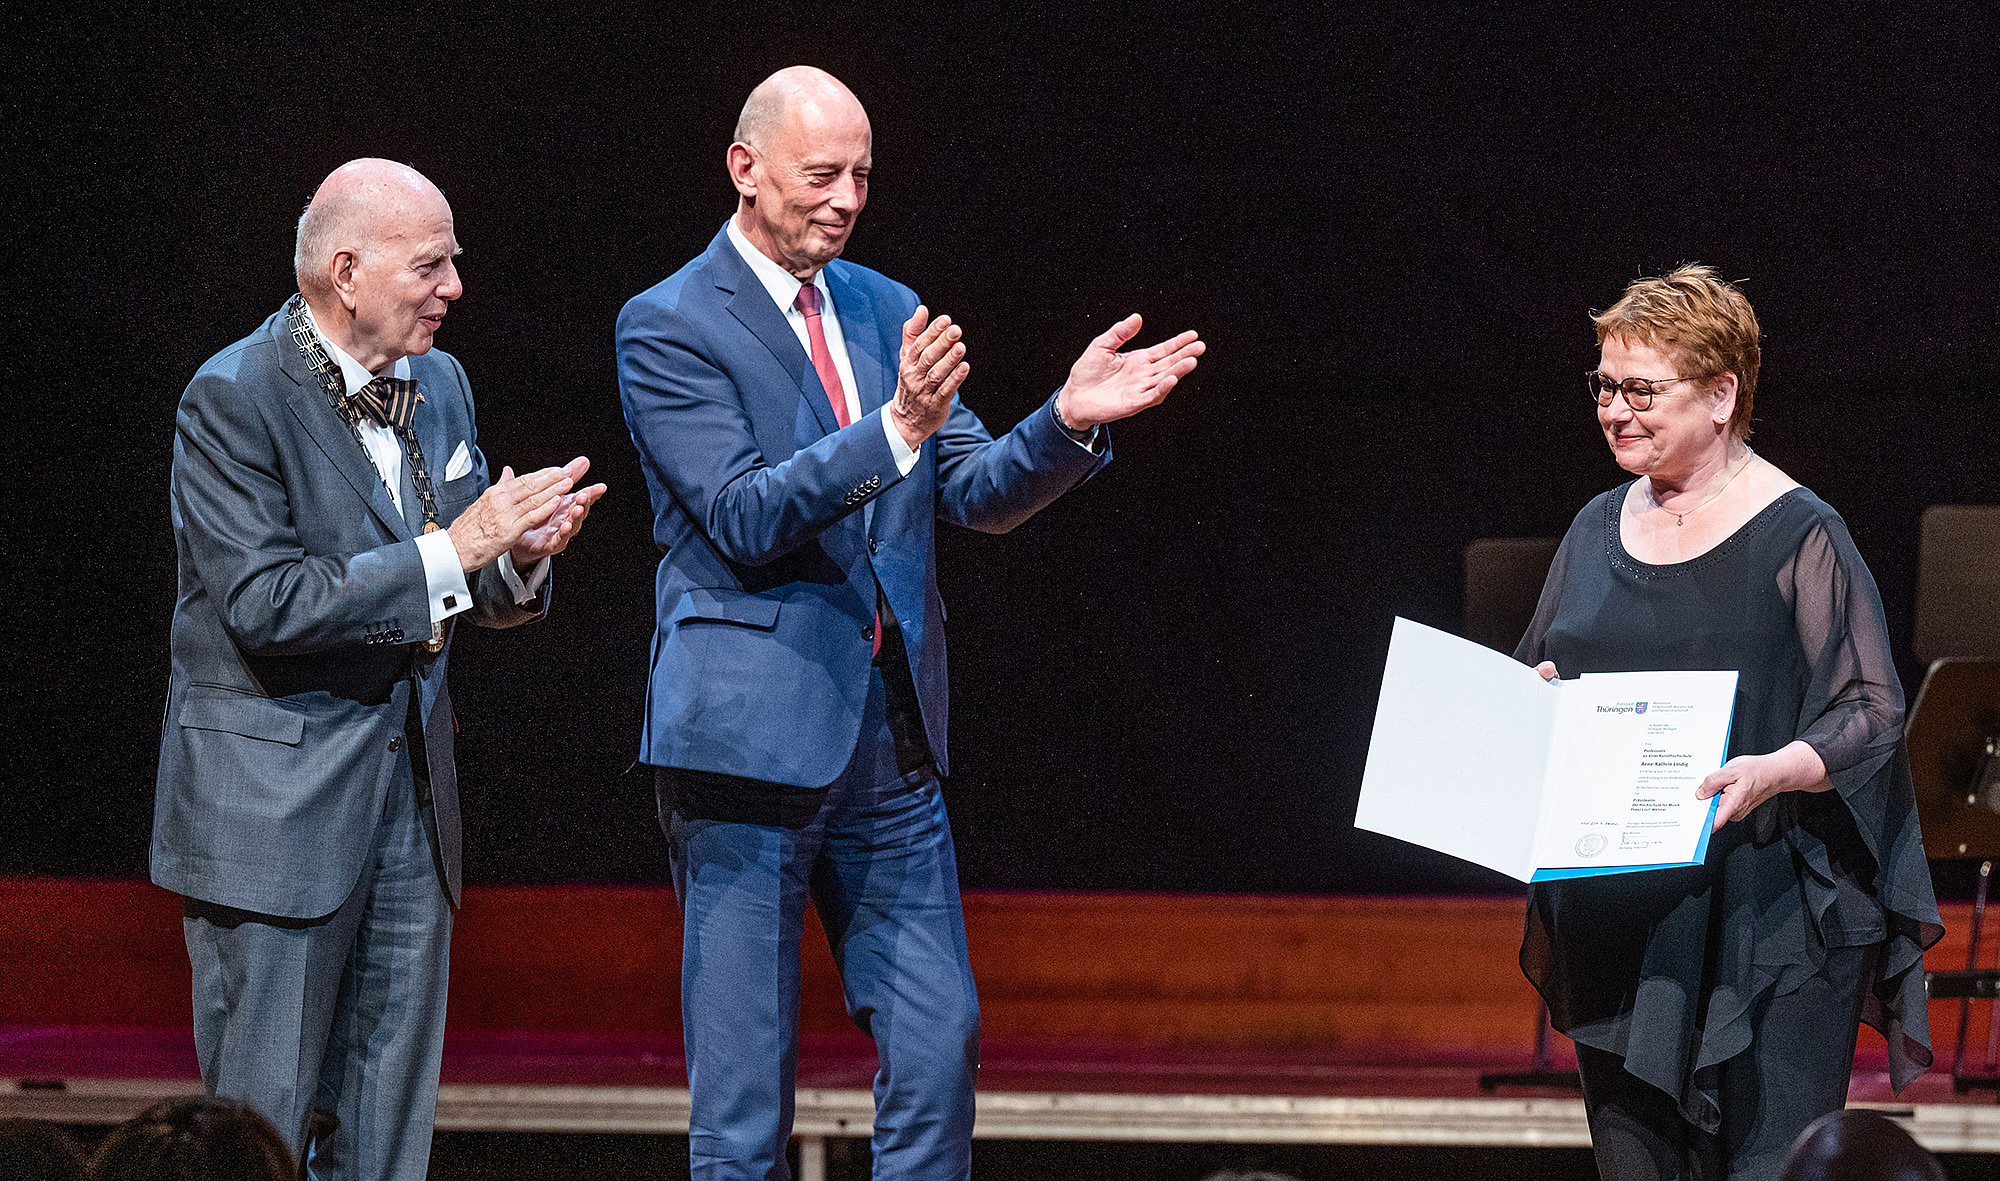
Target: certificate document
x,y
1473,754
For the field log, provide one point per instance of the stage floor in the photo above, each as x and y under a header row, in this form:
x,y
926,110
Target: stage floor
x,y
560,1083
1120,1031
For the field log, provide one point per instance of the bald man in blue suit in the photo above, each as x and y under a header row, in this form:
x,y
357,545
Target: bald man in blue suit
x,y
797,420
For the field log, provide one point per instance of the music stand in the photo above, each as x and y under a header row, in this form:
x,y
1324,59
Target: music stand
x,y
1503,582
1953,726
1957,711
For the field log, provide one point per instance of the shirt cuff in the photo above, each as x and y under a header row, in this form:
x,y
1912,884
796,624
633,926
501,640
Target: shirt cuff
x,y
444,578
523,590
905,458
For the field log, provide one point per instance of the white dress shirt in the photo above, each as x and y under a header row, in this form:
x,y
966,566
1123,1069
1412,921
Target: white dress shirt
x,y
784,291
444,575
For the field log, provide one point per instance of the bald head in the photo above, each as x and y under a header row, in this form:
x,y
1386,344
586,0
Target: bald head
x,y
358,205
792,95
800,165
374,261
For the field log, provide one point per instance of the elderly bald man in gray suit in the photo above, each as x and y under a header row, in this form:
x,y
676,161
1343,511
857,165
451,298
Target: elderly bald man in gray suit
x,y
333,520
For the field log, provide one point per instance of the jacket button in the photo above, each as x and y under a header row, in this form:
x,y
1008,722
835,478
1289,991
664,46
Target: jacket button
x,y
868,633
871,545
396,743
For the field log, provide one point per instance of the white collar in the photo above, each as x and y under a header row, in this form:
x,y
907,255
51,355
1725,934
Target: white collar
x,y
353,376
779,282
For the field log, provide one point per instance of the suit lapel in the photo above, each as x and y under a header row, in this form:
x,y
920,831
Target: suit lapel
x,y
754,308
867,346
333,436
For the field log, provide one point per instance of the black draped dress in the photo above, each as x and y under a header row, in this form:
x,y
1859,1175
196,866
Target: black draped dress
x,y
1665,967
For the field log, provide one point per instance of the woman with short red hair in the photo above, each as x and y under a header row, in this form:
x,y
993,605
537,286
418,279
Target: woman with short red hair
x,y
1714,1008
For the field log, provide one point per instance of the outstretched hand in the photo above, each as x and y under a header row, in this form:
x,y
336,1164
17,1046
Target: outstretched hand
x,y
1106,385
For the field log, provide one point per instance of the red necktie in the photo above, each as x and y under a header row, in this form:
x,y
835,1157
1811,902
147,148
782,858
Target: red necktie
x,y
835,393
823,356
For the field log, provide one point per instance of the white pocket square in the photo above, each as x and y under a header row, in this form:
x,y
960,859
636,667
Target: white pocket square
x,y
461,462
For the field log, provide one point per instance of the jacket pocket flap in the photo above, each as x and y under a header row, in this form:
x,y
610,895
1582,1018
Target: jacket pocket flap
x,y
463,490
728,606
209,708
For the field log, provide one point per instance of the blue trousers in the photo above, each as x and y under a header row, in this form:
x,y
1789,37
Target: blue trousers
x,y
343,1014
875,857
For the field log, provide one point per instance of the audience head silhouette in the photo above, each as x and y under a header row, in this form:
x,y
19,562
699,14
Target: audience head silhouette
x,y
1858,1146
31,1150
195,1140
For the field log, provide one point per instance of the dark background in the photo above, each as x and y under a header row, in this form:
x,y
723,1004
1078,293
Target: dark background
x,y
1389,223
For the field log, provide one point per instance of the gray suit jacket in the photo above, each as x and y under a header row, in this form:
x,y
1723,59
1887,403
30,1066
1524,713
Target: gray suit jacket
x,y
296,633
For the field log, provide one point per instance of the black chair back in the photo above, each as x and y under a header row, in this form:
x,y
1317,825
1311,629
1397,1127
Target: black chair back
x,y
1503,582
1958,582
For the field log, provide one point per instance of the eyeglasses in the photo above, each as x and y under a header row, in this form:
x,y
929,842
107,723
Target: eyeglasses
x,y
1639,391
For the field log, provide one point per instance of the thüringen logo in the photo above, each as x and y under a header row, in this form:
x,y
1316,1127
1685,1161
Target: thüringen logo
x,y
1639,708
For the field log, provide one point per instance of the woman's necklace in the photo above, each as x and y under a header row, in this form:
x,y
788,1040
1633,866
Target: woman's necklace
x,y
1681,515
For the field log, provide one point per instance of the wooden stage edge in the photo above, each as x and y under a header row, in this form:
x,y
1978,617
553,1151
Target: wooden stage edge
x,y
1411,1121
1137,1017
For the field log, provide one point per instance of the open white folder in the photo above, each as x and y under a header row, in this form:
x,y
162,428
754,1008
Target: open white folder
x,y
1475,755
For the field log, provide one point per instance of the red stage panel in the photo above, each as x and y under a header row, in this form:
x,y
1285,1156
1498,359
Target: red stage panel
x,y
1412,975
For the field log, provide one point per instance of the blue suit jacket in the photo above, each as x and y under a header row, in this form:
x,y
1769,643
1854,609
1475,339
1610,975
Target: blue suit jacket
x,y
760,658
295,633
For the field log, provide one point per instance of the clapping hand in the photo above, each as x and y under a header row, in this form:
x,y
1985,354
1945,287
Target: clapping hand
x,y
553,535
523,514
931,369
1106,385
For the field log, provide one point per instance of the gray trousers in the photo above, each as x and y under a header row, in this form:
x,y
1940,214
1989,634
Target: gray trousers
x,y
343,1014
